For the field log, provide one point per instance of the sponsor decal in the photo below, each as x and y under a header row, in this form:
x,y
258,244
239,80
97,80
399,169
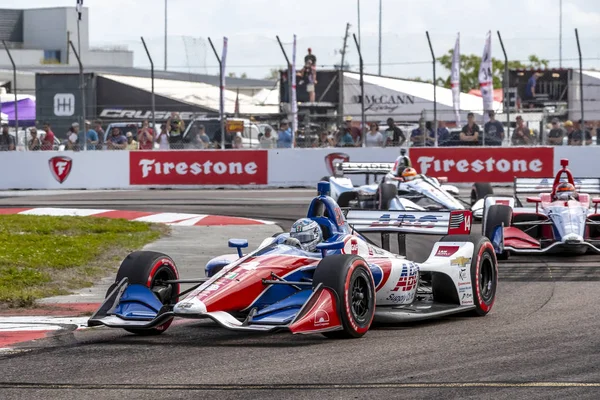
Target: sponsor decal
x,y
64,104
485,164
231,167
231,275
250,266
402,298
461,262
446,251
332,159
321,318
211,288
142,114
426,221
383,102
462,274
339,218
502,202
464,283
354,246
460,223
408,278
60,167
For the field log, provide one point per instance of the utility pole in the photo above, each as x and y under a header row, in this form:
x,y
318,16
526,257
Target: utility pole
x,y
358,11
560,34
165,35
380,12
341,78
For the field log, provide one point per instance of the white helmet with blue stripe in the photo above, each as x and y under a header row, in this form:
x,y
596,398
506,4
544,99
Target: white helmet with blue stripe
x,y
308,232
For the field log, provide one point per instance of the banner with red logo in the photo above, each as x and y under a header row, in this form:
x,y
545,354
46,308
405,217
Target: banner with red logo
x,y
230,167
483,164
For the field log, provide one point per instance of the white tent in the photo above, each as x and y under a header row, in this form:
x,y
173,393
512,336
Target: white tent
x,y
405,100
3,117
591,96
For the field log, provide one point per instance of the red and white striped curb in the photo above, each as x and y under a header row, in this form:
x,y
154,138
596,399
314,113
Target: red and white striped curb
x,y
179,219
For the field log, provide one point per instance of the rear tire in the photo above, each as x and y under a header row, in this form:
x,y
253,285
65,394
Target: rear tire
x,y
479,191
146,268
484,271
496,215
386,193
350,278
345,199
325,178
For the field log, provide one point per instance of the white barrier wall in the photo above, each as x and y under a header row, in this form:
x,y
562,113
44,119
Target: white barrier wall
x,y
274,168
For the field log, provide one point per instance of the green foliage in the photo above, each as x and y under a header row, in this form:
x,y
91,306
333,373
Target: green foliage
x,y
44,256
469,69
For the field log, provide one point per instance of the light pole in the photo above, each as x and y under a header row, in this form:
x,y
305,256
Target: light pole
x,y
560,35
380,12
165,35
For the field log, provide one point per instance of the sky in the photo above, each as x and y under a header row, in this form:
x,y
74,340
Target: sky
x,y
527,27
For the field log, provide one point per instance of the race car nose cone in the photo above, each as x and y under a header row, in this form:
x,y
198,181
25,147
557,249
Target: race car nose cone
x,y
190,306
572,238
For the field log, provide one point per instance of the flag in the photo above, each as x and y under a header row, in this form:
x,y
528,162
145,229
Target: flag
x,y
294,100
222,88
455,80
79,8
486,83
237,103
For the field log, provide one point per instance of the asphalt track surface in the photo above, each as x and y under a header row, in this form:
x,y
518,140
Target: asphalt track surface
x,y
539,342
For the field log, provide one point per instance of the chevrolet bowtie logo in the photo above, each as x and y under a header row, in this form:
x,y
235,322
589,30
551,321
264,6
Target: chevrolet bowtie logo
x,y
460,261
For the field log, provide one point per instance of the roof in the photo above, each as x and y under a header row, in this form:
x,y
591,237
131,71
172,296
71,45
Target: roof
x,y
145,73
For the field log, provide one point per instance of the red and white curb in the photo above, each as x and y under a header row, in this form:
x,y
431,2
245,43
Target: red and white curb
x,y
179,219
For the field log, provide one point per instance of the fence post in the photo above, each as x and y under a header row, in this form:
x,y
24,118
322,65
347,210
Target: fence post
x,y
152,80
82,83
289,72
221,93
505,86
16,103
362,92
582,124
435,119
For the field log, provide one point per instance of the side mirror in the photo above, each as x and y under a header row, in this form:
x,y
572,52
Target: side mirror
x,y
534,200
239,244
596,201
324,246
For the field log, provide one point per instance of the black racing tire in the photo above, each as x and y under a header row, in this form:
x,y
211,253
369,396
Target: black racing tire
x,y
480,190
345,198
484,271
145,268
496,215
350,278
385,194
325,178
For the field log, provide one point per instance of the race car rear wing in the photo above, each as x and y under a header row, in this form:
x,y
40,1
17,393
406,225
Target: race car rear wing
x,y
358,168
529,186
418,222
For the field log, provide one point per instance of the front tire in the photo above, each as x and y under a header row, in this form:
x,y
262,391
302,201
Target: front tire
x,y
147,268
350,278
496,215
479,191
386,193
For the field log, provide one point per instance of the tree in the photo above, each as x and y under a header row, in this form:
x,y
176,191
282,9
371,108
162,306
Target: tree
x,y
469,69
273,74
233,75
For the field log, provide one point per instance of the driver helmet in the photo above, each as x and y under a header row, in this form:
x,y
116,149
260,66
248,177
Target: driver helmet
x,y
308,232
565,191
400,165
409,174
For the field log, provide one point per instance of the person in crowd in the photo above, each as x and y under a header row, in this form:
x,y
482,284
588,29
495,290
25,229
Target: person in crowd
x,y
237,141
7,142
203,137
324,140
444,137
229,136
176,127
309,76
530,92
374,138
355,132
116,140
284,135
580,134
91,136
34,143
145,137
493,131
267,141
556,134
394,135
132,144
521,135
48,140
422,136
346,140
163,138
73,137
469,136
310,57
100,132
569,129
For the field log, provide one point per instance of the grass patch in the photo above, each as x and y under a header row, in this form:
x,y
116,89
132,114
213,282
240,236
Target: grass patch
x,y
46,256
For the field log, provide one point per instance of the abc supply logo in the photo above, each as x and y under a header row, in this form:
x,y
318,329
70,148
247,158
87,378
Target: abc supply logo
x,y
60,167
231,167
483,164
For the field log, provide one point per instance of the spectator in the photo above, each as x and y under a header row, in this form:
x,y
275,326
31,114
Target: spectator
x,y
116,141
556,133
355,132
569,130
48,140
163,138
203,137
145,137
310,57
577,136
394,135
493,131
374,138
309,76
91,136
7,142
422,136
444,137
175,127
229,136
100,132
34,144
346,140
521,135
284,135
469,136
530,92
324,140
73,137
131,143
267,141
237,141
